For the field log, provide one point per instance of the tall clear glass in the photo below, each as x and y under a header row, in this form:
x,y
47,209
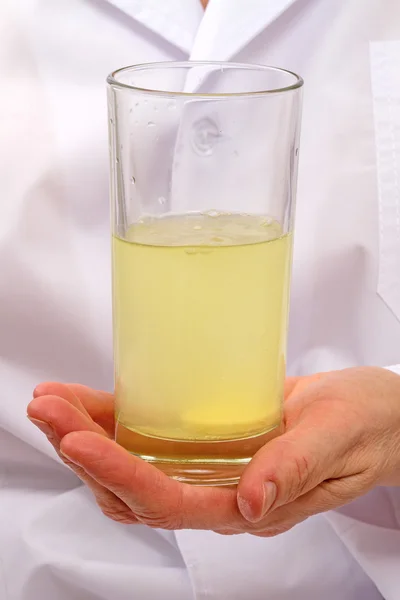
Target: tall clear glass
x,y
203,183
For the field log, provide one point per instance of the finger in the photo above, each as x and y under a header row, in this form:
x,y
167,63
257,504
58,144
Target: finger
x,y
62,390
61,415
293,464
98,405
155,499
328,495
56,417
299,384
290,385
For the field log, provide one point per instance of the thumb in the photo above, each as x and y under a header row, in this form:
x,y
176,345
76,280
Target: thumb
x,y
288,467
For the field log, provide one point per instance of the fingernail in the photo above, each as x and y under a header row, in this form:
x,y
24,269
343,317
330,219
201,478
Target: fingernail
x,y
270,493
245,508
43,426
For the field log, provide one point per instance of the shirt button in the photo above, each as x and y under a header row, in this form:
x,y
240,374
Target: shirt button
x,y
205,135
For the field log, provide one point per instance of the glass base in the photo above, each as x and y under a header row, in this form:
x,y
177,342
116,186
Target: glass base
x,y
196,462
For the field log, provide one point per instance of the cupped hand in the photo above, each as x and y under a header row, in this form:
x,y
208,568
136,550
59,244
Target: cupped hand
x,y
342,438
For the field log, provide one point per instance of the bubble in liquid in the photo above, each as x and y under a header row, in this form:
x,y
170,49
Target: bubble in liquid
x,y
266,222
212,213
151,124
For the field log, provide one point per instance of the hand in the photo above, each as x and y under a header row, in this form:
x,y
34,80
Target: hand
x,y
79,423
342,437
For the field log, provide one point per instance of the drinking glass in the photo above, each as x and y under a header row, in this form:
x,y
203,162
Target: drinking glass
x,y
203,183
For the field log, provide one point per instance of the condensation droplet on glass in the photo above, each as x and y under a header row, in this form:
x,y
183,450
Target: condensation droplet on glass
x,y
117,160
111,122
130,110
236,153
136,103
161,200
297,151
151,124
133,180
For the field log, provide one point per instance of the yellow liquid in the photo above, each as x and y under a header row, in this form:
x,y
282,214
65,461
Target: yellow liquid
x,y
200,324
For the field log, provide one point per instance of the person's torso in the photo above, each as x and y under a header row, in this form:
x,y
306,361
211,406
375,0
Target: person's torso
x,y
347,230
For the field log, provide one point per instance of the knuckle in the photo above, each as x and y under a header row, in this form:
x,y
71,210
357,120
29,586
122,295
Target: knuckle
x,y
343,490
299,477
273,531
115,510
169,522
118,515
226,531
169,517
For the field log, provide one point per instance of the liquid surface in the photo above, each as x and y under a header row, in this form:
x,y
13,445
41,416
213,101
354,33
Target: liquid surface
x,y
200,319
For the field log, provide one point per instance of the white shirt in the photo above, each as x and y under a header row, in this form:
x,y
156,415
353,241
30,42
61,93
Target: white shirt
x,y
55,317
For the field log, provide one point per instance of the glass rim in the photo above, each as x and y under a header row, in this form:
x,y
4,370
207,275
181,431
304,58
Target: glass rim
x,y
112,80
